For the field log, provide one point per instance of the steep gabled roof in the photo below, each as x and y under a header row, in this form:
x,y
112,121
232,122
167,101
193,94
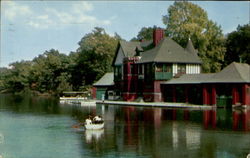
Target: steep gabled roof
x,y
129,48
106,80
233,73
169,51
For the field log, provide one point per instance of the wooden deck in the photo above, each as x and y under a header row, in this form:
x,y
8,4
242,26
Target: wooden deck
x,y
157,104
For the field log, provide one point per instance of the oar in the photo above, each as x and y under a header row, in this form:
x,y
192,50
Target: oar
x,y
77,125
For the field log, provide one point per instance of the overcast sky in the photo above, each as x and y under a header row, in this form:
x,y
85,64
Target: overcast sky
x,y
29,28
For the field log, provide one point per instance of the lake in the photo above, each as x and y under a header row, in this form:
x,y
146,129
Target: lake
x,y
40,127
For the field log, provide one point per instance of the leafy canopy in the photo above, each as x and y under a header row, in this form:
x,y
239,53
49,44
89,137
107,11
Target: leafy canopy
x,y
238,45
186,20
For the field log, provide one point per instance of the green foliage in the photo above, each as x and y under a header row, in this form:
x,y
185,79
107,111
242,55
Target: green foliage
x,y
53,72
187,20
95,54
146,33
49,71
238,45
17,77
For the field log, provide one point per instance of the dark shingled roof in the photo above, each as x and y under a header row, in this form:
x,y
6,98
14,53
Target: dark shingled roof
x,y
129,48
190,79
233,73
169,51
190,47
106,80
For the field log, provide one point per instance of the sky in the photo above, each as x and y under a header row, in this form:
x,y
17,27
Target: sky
x,y
29,28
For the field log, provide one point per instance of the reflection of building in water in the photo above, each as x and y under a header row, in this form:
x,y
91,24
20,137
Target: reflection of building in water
x,y
93,135
193,138
241,119
153,115
187,137
175,136
209,118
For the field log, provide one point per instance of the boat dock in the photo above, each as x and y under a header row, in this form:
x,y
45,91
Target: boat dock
x,y
77,100
157,104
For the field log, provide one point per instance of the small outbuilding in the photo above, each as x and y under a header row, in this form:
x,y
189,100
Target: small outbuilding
x,y
103,88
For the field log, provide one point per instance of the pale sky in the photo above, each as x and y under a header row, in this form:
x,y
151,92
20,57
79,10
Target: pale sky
x,y
29,28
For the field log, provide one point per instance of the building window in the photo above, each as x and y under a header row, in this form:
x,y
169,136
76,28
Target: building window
x,y
181,69
140,69
118,71
167,68
248,90
159,67
133,69
149,72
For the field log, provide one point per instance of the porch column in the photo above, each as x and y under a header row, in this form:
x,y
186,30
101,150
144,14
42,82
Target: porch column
x,y
174,93
244,94
235,96
213,95
205,95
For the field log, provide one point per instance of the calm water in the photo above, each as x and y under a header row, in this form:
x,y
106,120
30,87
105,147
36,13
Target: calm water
x,y
40,127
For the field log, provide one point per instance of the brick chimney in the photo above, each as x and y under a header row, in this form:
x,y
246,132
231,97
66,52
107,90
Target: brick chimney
x,y
158,35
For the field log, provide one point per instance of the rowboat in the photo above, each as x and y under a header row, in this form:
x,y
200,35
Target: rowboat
x,y
94,124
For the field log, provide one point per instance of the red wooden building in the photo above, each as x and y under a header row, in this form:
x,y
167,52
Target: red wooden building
x,y
141,67
162,70
231,86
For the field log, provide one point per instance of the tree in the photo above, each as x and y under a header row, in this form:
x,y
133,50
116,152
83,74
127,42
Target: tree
x,y
238,46
17,77
49,72
146,33
186,20
95,54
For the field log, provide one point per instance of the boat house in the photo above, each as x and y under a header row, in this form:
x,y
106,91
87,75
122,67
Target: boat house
x,y
161,70
141,67
231,86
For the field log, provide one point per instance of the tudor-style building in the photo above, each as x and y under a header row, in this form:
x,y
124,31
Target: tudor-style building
x,y
141,67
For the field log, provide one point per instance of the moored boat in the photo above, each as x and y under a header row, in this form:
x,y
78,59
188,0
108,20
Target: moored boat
x,y
94,124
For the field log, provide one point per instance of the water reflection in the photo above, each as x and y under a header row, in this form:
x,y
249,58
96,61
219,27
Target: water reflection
x,y
93,135
241,119
128,132
163,132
